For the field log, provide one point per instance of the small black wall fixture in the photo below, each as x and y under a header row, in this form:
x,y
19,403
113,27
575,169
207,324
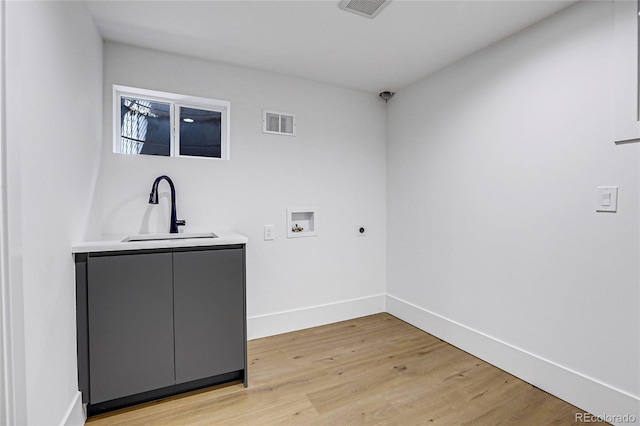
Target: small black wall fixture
x,y
386,95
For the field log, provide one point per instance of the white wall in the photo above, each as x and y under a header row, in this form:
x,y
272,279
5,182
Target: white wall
x,y
494,241
337,162
54,103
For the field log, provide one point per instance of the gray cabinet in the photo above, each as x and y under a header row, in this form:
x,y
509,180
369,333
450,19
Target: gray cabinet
x,y
155,323
209,314
130,304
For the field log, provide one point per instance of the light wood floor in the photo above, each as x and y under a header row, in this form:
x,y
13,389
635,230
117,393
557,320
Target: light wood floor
x,y
374,370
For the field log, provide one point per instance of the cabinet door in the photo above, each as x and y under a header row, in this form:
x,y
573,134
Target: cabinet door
x,y
130,310
209,313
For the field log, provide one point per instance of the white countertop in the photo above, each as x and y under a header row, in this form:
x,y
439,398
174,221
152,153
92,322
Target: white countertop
x,y
116,244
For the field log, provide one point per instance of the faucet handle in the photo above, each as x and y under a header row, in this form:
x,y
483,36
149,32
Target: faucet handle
x,y
180,222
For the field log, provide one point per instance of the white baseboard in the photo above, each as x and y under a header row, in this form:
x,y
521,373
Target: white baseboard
x,y
297,319
584,392
75,415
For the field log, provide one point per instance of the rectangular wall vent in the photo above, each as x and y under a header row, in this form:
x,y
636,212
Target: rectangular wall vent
x,y
280,123
368,8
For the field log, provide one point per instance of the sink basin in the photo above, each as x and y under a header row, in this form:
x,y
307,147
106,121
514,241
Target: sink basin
x,y
161,237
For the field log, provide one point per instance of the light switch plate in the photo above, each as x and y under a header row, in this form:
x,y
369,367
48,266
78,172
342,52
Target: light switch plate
x,y
269,233
607,199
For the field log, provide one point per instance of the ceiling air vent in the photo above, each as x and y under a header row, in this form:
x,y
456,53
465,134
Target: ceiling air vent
x,y
368,8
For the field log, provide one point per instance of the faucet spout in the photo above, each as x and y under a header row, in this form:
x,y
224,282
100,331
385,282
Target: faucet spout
x,y
153,199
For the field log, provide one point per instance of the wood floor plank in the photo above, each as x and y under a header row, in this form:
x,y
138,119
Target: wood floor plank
x,y
369,411
374,370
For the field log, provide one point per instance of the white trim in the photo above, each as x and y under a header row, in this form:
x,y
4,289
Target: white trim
x,y
174,139
576,388
625,72
13,387
75,414
6,370
8,407
297,319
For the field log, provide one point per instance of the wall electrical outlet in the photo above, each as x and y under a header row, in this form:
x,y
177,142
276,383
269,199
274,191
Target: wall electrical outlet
x,y
269,232
361,231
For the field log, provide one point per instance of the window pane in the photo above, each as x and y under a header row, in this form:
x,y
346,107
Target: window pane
x,y
144,127
200,132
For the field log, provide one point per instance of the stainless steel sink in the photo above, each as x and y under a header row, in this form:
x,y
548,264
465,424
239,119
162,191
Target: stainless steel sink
x,y
161,237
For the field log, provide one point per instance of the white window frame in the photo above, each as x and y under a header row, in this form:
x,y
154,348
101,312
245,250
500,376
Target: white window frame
x,y
175,101
626,87
279,114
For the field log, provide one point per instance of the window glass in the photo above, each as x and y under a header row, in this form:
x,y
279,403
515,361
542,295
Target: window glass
x,y
200,132
145,127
